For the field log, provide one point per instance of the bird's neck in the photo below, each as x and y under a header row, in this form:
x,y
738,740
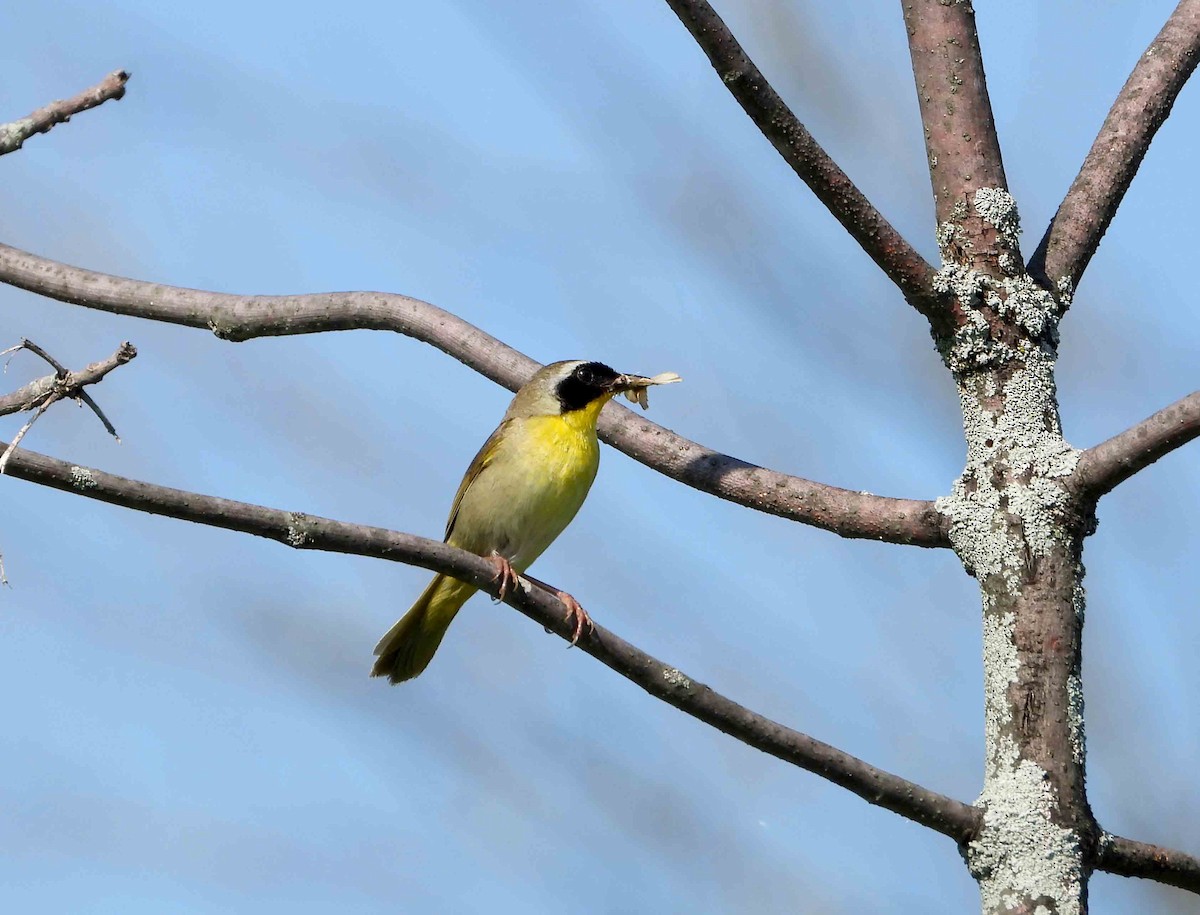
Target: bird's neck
x,y
584,419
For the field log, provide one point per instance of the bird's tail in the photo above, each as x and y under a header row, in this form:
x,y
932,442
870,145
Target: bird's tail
x,y
409,646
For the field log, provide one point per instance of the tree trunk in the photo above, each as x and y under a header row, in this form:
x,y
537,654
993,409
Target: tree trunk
x,y
1019,531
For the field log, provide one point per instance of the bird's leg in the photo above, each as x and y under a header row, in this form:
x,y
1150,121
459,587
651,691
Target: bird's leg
x,y
575,610
506,577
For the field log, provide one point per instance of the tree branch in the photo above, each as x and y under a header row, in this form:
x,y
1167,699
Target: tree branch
x,y
877,237
42,394
978,229
14,134
943,814
1104,467
231,317
1128,858
1139,110
66,384
960,132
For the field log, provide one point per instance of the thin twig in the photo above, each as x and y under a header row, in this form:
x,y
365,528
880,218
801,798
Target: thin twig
x,y
1139,111
14,134
12,446
877,237
950,817
28,344
1128,858
1104,467
95,408
231,317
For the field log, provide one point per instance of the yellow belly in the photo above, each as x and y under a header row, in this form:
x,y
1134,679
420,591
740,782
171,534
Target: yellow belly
x,y
531,489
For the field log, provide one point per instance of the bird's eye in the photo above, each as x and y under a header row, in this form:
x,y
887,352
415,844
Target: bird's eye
x,y
584,374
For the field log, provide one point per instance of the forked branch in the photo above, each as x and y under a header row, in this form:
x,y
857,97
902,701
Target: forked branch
x,y
943,814
1104,467
14,134
877,237
1139,110
66,384
232,317
40,395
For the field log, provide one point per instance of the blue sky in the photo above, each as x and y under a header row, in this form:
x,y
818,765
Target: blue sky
x,y
190,727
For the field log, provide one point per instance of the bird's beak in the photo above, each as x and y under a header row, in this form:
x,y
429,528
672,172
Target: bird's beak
x,y
634,386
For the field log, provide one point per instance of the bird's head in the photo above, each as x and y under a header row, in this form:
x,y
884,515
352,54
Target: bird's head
x,y
577,385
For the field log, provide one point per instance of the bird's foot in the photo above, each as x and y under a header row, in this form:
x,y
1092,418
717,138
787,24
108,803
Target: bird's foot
x,y
506,577
575,612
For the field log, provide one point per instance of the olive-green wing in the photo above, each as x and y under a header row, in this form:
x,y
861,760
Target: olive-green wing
x,y
478,465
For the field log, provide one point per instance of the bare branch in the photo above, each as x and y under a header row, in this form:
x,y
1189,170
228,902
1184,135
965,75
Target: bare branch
x,y
14,134
86,398
1104,467
231,317
28,344
64,383
877,237
943,814
1139,110
960,132
43,393
1128,858
855,515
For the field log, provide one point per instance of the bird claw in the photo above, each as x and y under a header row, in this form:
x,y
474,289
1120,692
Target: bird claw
x,y
576,612
506,578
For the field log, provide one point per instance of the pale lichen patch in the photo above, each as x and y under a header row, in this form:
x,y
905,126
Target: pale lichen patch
x,y
1013,295
13,134
1010,510
945,234
1014,436
1075,718
998,209
1066,291
676,678
1032,307
1021,854
81,478
297,533
1001,668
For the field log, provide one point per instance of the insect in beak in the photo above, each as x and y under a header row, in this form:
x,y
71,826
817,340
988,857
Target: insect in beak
x,y
634,387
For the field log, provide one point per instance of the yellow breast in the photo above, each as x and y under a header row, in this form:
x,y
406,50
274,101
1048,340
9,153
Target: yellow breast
x,y
563,449
532,488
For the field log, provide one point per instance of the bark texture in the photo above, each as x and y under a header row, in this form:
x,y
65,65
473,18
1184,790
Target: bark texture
x,y
1013,517
1016,525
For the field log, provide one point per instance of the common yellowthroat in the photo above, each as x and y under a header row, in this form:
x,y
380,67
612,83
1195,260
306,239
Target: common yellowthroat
x,y
520,492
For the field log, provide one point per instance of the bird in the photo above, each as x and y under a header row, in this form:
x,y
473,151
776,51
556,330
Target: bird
x,y
519,493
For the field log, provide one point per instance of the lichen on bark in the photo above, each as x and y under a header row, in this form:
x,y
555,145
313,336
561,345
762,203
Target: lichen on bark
x,y
1016,527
